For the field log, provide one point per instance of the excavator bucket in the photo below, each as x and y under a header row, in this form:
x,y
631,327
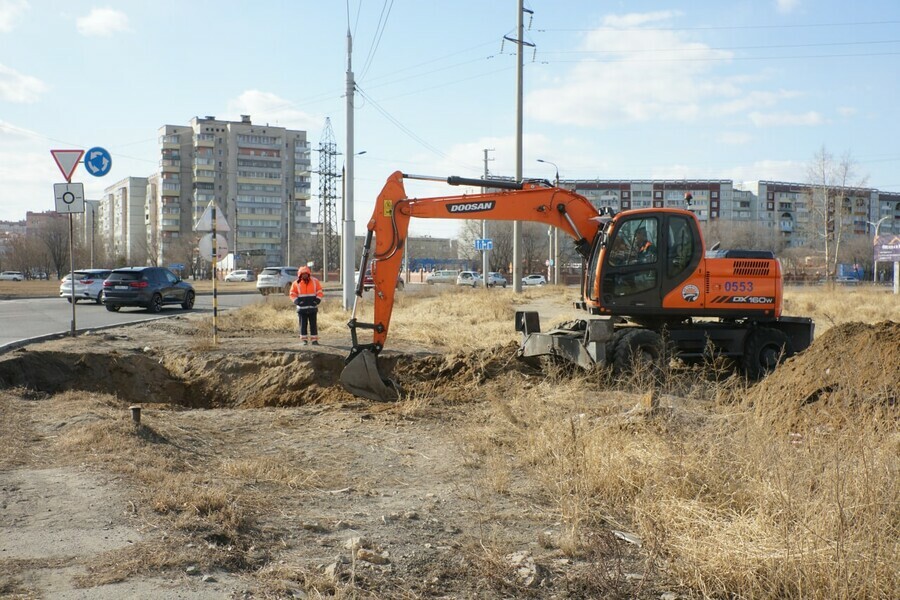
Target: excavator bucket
x,y
361,378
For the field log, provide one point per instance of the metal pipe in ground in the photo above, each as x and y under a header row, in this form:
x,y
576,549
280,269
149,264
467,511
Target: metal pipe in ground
x,y
136,414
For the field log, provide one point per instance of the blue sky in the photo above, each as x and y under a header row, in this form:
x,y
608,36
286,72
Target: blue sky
x,y
718,89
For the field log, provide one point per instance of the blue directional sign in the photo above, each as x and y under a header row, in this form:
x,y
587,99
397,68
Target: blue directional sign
x,y
484,244
97,161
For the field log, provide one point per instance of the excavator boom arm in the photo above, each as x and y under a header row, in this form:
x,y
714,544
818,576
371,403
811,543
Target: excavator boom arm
x,y
389,224
528,201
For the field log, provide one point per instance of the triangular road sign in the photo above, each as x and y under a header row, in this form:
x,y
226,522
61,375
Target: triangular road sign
x,y
205,222
67,160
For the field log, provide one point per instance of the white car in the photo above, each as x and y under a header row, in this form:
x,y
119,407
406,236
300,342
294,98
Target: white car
x,y
469,278
88,285
240,275
534,279
274,280
11,276
495,278
442,276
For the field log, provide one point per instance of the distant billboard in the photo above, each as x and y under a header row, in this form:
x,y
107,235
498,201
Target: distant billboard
x,y
887,248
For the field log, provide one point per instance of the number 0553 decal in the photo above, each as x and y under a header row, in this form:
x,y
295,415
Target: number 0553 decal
x,y
738,286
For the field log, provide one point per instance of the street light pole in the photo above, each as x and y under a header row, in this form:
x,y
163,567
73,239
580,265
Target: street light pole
x,y
553,267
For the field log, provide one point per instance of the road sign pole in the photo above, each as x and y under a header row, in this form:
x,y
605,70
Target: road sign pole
x,y
213,260
72,270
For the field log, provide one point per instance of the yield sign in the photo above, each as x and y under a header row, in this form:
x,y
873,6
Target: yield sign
x,y
67,160
205,223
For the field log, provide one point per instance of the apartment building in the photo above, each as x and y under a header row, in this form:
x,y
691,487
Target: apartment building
x,y
798,211
258,176
794,210
712,199
121,220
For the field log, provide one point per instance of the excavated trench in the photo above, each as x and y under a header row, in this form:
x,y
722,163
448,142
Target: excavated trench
x,y
850,367
215,379
192,380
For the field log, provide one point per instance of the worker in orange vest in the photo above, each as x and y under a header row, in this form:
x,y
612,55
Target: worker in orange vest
x,y
306,294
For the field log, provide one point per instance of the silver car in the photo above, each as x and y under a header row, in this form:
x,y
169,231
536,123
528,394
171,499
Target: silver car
x,y
274,280
88,285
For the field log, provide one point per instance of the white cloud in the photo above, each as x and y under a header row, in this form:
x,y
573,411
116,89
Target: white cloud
x,y
637,19
634,75
11,12
786,6
15,87
265,107
846,111
771,170
786,119
103,22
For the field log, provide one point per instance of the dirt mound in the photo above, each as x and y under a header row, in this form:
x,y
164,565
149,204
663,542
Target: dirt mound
x,y
852,368
453,376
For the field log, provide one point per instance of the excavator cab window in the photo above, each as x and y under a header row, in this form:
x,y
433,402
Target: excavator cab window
x,y
633,256
681,245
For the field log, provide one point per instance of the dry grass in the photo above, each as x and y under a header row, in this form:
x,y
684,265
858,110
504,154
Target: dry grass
x,y
734,508
832,305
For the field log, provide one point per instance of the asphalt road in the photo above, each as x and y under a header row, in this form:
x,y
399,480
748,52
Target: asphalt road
x,y
27,319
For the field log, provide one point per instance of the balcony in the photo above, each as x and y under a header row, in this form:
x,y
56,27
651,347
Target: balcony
x,y
169,165
170,142
207,140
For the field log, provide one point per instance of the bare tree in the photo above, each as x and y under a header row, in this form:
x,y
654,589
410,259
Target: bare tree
x,y
833,182
54,234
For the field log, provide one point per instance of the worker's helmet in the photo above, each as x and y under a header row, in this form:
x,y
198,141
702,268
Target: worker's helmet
x,y
302,270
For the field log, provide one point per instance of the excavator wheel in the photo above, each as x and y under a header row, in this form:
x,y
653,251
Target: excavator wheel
x,y
763,350
638,349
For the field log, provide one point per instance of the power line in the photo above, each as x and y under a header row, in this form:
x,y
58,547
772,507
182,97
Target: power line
x,y
695,49
723,27
406,129
379,31
722,58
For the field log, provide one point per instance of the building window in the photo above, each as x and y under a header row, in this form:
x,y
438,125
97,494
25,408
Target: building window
x,y
715,195
770,195
770,205
657,194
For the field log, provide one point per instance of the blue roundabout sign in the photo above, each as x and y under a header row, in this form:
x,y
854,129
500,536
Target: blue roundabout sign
x,y
97,161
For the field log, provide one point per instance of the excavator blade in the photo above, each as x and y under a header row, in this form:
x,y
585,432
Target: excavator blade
x,y
361,378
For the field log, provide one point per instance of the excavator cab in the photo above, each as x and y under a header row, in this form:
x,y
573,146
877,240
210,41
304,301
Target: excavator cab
x,y
643,257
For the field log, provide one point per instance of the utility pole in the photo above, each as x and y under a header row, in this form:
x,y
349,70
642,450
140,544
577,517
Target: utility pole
x,y
485,262
348,256
517,225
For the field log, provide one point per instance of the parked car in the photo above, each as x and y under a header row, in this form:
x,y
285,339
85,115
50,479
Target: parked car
x,y
274,280
369,283
534,279
88,285
442,276
11,276
241,275
150,287
495,278
469,278
845,280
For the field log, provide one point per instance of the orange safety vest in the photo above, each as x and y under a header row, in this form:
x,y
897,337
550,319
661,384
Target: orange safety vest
x,y
307,292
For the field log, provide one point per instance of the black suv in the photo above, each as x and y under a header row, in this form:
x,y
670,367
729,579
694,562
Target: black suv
x,y
150,287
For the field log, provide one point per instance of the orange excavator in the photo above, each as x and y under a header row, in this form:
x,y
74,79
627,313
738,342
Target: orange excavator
x,y
649,285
